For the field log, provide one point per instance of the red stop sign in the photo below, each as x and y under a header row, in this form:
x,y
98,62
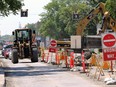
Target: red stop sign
x,y
109,40
53,43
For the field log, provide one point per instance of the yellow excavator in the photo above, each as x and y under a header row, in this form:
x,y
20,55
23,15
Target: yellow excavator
x,y
95,41
107,19
108,22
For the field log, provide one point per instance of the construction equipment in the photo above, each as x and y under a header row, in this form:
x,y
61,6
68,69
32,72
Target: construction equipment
x,y
108,22
24,45
63,44
100,8
94,41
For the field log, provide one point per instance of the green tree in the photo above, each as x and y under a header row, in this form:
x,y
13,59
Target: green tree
x,y
93,3
111,7
57,22
10,6
34,26
31,26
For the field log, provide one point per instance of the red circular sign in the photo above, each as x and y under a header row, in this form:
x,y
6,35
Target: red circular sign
x,y
53,43
109,40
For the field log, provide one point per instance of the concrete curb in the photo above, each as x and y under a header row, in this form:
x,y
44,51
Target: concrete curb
x,y
2,77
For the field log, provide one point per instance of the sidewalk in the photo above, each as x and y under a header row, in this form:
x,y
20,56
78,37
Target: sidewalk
x,y
2,79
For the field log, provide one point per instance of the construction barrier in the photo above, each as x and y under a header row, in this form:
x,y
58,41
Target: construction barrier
x,y
98,62
83,61
57,58
93,60
66,60
71,59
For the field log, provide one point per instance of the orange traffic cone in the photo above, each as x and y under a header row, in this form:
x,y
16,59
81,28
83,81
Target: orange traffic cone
x,y
66,60
72,60
58,59
83,61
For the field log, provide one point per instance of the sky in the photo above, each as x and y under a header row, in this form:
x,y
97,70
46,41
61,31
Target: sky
x,y
12,22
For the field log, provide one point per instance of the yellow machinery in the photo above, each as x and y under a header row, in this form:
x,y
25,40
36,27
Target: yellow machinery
x,y
63,44
100,8
24,45
108,22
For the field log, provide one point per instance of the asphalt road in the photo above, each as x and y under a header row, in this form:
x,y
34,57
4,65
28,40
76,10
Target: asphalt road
x,y
27,74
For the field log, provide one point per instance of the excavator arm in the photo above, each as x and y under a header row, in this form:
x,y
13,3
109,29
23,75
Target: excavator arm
x,y
100,8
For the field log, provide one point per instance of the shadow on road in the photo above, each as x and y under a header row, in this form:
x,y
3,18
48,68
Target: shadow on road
x,y
32,71
1,70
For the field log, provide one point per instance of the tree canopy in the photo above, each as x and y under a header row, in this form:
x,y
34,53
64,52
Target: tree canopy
x,y
10,6
57,21
111,7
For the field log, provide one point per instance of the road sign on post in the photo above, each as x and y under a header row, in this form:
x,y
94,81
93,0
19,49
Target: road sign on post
x,y
52,47
53,43
109,46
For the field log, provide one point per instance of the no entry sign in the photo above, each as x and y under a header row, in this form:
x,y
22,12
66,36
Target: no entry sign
x,y
109,40
53,43
109,46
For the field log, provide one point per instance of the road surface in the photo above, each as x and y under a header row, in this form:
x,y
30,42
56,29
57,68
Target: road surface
x,y
27,74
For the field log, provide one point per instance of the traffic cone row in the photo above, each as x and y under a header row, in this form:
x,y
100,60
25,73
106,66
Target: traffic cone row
x,y
59,57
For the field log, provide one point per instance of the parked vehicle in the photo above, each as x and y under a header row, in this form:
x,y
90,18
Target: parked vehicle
x,y
10,54
6,49
6,52
3,49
